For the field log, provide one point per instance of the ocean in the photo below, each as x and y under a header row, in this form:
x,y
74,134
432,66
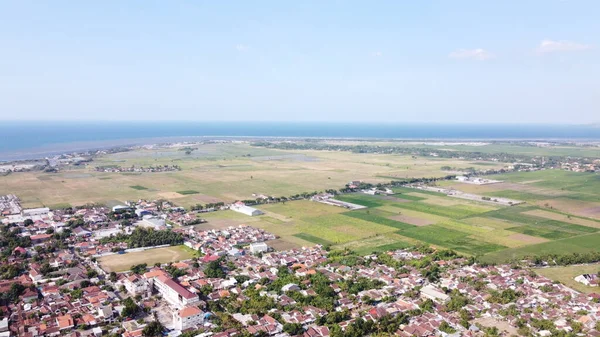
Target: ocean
x,y
38,139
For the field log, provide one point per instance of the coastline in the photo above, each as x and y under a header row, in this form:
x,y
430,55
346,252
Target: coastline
x,y
39,140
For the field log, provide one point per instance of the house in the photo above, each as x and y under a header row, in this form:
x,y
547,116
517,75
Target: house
x,y
241,208
106,312
19,251
317,331
80,232
258,247
39,238
65,322
188,317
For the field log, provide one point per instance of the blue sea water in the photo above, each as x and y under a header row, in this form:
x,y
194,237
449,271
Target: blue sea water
x,y
27,140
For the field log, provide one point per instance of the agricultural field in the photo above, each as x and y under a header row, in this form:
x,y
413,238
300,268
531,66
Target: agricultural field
x,y
572,193
408,217
495,234
122,262
561,213
215,172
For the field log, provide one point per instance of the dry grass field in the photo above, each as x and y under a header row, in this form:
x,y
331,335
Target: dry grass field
x,y
225,172
122,262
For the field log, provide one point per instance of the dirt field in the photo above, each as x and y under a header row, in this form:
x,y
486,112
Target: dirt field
x,y
279,244
577,207
122,262
501,325
170,195
592,212
564,218
412,220
527,239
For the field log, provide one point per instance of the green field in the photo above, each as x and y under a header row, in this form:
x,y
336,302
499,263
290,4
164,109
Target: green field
x,y
578,244
187,192
312,238
139,188
379,219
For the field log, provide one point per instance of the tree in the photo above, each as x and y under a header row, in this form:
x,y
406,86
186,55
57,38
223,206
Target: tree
x,y
131,308
139,268
153,329
293,328
214,270
113,276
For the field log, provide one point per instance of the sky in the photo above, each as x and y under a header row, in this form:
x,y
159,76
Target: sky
x,y
509,61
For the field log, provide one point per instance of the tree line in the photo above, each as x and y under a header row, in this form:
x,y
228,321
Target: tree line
x,y
141,237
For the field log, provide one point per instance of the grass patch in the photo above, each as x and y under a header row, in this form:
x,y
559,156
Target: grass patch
x,y
63,205
454,212
578,244
187,192
368,216
541,232
451,239
518,195
312,238
566,275
408,197
391,246
139,187
399,190
362,199
538,226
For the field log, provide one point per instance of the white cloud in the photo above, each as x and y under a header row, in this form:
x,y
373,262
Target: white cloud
x,y
474,54
376,54
240,47
551,46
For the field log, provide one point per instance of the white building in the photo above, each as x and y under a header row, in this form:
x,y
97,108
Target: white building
x,y
136,285
175,293
4,324
590,280
241,208
36,211
434,294
120,208
151,222
188,317
258,247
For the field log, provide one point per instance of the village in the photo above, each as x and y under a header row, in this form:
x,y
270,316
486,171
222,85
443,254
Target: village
x,y
54,283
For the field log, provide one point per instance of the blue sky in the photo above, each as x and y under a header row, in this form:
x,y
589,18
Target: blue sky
x,y
398,61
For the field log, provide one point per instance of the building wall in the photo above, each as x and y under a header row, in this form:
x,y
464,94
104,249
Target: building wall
x,y
187,322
